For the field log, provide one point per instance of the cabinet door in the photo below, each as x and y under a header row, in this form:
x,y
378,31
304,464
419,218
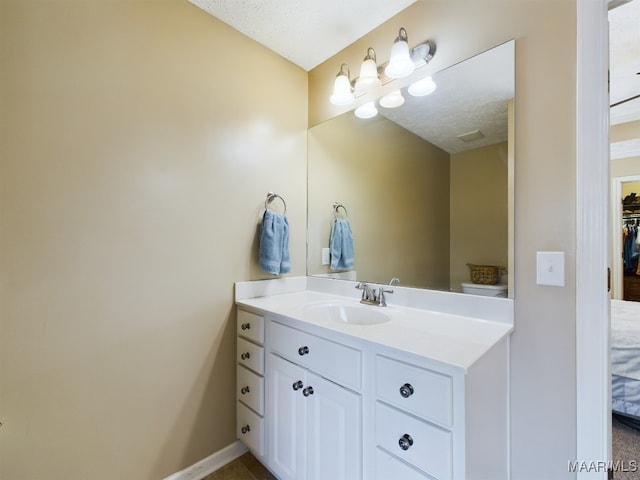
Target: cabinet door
x,y
286,412
334,431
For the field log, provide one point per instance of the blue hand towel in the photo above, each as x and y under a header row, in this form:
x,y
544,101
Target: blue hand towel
x,y
274,243
341,245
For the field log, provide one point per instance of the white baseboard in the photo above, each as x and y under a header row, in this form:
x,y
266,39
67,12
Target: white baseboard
x,y
213,462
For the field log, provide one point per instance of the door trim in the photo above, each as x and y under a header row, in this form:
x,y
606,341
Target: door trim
x,y
593,386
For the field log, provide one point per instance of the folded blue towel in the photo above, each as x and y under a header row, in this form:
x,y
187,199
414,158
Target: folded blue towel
x,y
341,245
274,243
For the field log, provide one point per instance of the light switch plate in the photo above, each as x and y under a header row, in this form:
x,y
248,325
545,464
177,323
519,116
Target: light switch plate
x,y
326,256
550,268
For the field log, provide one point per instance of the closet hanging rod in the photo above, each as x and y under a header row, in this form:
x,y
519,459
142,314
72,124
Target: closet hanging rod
x,y
270,197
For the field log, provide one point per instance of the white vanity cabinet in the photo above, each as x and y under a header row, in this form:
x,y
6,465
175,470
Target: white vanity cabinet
x,y
314,424
421,397
250,386
434,422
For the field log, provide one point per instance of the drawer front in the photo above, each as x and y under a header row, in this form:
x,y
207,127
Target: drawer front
x,y
250,389
428,447
389,467
251,355
250,326
332,360
422,392
250,429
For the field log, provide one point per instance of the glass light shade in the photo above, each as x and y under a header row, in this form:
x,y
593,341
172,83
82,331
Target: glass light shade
x,y
368,78
400,64
392,100
342,94
422,87
368,110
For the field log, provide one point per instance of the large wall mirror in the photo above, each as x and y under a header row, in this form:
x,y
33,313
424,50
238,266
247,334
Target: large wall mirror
x,y
427,186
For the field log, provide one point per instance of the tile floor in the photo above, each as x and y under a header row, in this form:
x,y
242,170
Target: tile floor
x,y
245,467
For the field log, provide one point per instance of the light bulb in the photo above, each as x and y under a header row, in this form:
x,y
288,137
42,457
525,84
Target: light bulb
x,y
392,100
368,78
400,64
342,94
368,110
422,87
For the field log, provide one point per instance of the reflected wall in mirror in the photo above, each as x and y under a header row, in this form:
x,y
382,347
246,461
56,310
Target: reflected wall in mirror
x,y
422,203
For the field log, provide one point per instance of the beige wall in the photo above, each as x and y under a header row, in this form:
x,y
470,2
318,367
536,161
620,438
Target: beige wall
x,y
621,132
136,151
625,167
478,204
543,346
395,186
630,187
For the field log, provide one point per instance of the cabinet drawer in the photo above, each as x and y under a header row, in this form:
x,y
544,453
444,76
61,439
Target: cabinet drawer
x,y
388,467
250,389
430,447
250,429
251,355
250,326
422,392
332,360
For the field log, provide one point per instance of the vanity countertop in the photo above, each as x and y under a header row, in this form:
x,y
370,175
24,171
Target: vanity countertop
x,y
455,340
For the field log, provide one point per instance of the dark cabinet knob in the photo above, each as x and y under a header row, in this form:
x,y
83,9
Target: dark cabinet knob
x,y
406,390
246,326
405,441
245,356
244,390
297,385
303,350
246,429
307,391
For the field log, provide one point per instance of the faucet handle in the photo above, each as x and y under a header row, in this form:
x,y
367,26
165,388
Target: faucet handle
x,y
381,300
366,291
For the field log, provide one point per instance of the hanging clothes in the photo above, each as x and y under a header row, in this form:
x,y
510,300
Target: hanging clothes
x,y
630,250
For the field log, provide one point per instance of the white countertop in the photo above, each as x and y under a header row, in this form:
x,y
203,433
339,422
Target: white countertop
x,y
455,340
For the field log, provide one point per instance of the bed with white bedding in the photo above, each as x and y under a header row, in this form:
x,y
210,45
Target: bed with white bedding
x,y
625,357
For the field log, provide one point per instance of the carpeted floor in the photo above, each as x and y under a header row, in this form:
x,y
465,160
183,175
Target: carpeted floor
x,y
625,450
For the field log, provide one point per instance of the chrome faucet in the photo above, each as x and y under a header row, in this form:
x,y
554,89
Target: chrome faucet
x,y
372,297
368,295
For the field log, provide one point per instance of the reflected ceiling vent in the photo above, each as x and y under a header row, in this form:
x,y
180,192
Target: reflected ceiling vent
x,y
470,136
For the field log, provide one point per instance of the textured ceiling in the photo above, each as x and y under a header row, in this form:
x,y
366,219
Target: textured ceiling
x,y
624,42
471,95
306,32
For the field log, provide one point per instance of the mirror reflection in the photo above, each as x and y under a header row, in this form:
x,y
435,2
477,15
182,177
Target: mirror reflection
x,y
424,187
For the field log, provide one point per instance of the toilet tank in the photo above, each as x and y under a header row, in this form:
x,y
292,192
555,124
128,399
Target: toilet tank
x,y
499,290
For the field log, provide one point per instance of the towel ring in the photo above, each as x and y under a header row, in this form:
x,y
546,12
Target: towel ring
x,y
270,197
337,206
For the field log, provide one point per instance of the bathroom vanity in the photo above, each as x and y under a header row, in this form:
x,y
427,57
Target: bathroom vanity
x,y
330,388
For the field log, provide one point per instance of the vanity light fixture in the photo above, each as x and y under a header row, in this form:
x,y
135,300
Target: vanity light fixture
x,y
342,93
422,87
369,77
400,63
368,110
392,100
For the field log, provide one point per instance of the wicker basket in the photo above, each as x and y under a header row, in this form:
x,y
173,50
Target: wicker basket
x,y
485,274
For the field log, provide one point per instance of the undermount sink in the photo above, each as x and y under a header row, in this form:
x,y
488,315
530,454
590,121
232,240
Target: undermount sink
x,y
352,314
